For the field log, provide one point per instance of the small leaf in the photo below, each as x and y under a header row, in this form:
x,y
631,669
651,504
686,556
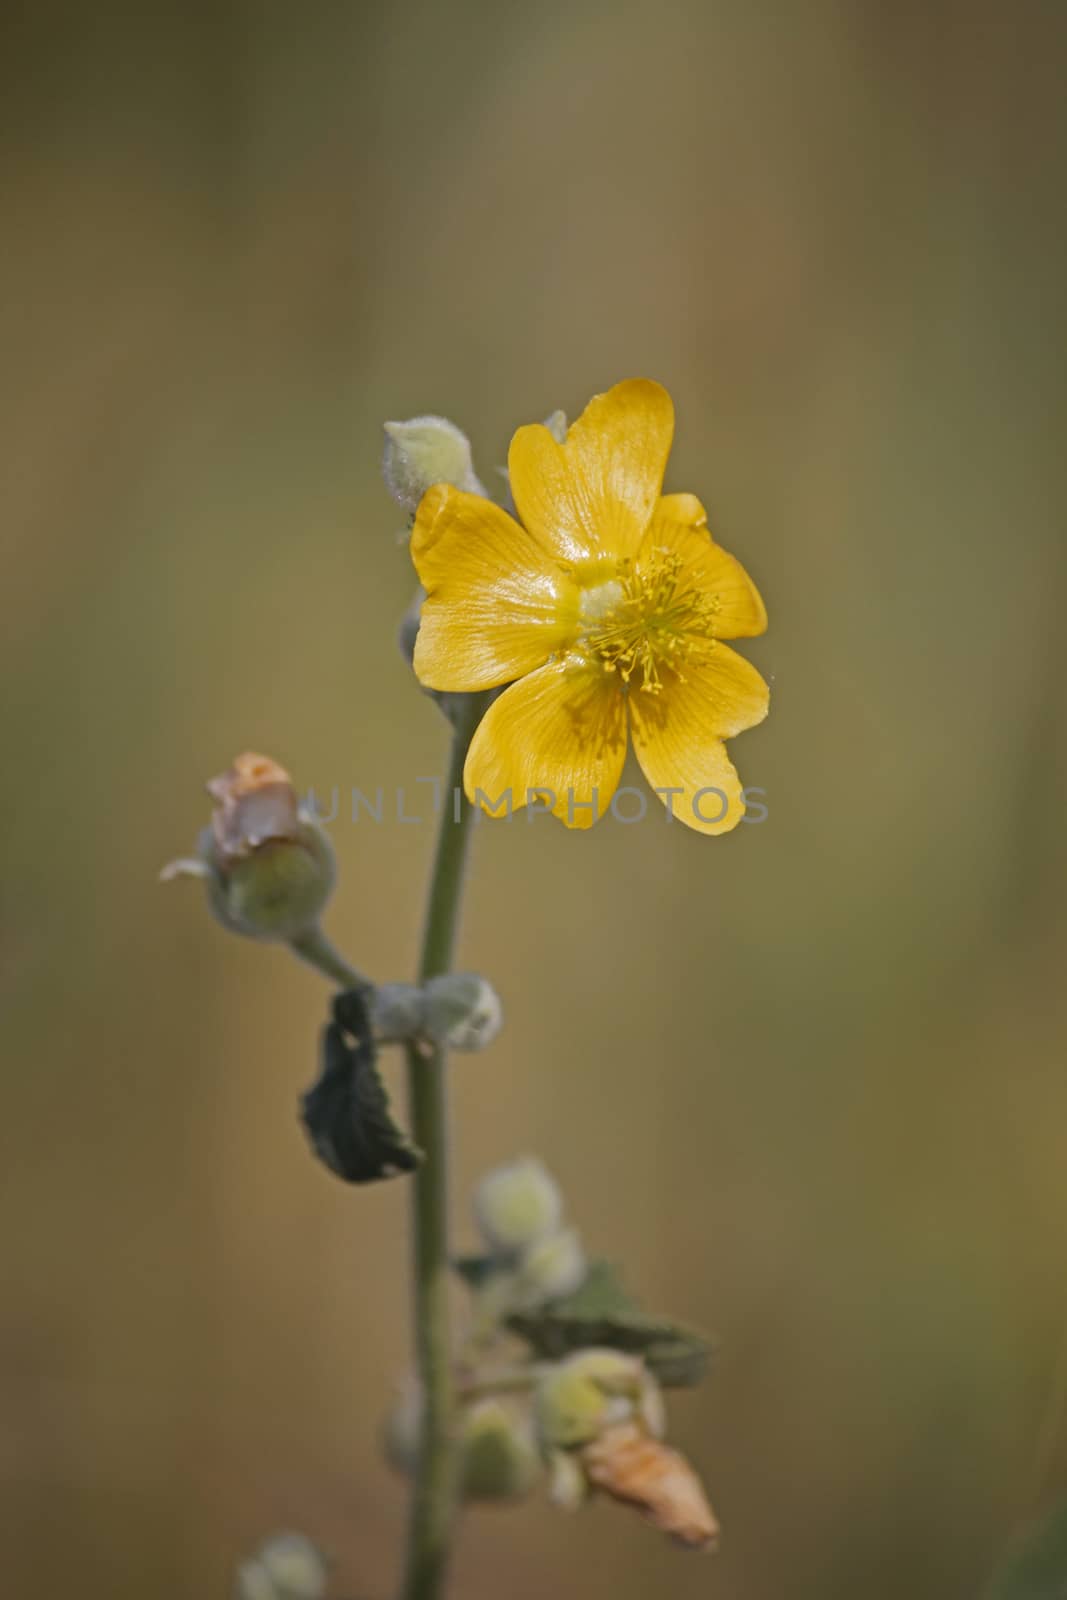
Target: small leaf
x,y
346,1111
1035,1567
602,1312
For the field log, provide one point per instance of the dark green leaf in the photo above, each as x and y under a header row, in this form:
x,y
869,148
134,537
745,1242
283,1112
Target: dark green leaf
x,y
1036,1566
346,1111
601,1312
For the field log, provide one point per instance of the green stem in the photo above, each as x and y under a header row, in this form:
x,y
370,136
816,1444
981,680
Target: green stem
x,y
433,1502
314,948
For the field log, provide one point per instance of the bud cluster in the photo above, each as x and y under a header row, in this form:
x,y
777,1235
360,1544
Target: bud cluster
x,y
537,1257
287,1567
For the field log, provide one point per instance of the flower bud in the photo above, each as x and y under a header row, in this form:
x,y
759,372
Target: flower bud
x,y
499,1459
399,1012
424,451
578,1398
463,1011
253,1582
517,1205
268,865
287,1567
551,1268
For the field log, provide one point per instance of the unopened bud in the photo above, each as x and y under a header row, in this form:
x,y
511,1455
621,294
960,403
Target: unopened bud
x,y
399,1011
551,1268
463,1011
268,865
499,1459
517,1205
287,1567
424,451
578,1398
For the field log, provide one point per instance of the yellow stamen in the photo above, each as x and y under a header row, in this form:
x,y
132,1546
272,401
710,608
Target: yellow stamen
x,y
647,619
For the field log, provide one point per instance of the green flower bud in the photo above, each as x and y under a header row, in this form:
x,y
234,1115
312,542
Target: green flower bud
x,y
516,1205
463,1011
550,1268
499,1459
268,865
578,1398
424,451
287,1567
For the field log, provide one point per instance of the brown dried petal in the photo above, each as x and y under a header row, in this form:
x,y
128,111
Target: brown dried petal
x,y
255,802
643,1472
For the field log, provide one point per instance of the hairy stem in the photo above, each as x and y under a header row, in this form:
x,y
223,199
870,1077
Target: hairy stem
x,y
433,1502
314,948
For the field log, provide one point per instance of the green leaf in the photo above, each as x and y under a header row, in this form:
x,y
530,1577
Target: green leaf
x,y
1035,1567
602,1312
346,1111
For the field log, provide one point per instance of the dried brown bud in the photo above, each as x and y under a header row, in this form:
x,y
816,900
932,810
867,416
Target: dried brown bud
x,y
267,864
255,802
643,1472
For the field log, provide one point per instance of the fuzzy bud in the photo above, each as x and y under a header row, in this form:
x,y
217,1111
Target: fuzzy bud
x,y
499,1459
578,1398
268,865
286,1567
463,1011
517,1205
424,451
399,1011
551,1268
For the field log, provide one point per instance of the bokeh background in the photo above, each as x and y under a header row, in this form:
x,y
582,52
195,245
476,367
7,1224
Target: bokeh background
x,y
808,1081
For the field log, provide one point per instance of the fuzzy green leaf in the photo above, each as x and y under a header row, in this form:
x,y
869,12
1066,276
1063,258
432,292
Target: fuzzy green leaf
x,y
602,1312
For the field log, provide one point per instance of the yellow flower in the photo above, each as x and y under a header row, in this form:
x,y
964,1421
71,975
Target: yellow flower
x,y
604,605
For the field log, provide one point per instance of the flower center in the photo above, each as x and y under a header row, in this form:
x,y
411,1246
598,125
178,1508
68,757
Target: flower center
x,y
647,620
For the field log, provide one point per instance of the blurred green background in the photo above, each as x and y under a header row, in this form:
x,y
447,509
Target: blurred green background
x,y
807,1081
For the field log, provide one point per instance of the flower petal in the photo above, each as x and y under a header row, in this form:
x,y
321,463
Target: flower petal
x,y
680,524
594,495
496,606
678,735
560,731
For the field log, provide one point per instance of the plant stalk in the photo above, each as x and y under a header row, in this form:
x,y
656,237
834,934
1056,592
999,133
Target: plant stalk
x,y
434,1497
